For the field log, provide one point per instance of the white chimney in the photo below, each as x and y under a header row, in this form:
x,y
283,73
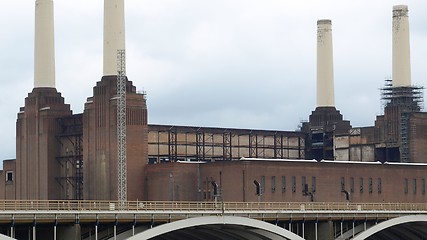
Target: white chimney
x,y
401,52
44,48
325,65
114,34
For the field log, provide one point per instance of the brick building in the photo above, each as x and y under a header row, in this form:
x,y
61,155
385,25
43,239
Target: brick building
x,y
286,181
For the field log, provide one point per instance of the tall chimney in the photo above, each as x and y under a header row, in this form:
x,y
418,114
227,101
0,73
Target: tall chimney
x,y
401,52
114,34
325,68
44,49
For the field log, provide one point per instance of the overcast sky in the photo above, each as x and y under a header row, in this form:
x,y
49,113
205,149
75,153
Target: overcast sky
x,y
223,63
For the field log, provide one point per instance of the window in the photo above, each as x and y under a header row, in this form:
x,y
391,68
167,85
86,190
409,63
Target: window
x,y
294,184
9,176
370,185
304,184
352,184
262,184
379,185
283,184
405,186
361,184
273,184
313,184
423,186
342,183
414,185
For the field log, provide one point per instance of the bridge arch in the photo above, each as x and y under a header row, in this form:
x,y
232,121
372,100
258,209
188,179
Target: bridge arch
x,y
214,227
4,237
406,227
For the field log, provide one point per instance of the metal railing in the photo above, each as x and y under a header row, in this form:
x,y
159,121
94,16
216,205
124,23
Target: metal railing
x,y
169,206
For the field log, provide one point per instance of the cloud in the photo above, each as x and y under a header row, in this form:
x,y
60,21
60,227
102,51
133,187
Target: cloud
x,y
238,63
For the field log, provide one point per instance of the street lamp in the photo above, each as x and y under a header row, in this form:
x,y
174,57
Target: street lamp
x,y
305,192
216,194
215,189
347,195
258,189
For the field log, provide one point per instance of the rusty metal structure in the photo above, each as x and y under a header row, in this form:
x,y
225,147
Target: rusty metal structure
x,y
171,143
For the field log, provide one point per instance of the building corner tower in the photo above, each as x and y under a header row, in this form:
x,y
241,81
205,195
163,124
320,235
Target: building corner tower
x,y
100,172
325,121
36,126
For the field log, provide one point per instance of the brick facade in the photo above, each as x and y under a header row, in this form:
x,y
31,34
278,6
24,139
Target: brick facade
x,y
284,181
100,141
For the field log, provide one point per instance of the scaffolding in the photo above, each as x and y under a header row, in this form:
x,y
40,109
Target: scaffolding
x,y
404,146
409,98
121,126
398,104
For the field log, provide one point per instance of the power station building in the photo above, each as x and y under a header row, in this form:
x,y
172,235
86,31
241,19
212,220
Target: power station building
x,y
61,155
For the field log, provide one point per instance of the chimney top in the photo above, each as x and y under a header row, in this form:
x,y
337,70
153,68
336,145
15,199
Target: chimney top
x,y
400,7
400,10
324,21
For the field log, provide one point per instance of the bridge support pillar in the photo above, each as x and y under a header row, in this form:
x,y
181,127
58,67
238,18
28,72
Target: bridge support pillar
x,y
12,232
326,230
312,231
70,232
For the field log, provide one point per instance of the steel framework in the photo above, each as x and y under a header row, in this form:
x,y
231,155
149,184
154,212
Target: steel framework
x,y
409,98
227,145
71,157
185,143
121,126
172,138
404,148
200,144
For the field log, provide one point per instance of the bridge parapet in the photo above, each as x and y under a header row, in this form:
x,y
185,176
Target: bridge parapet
x,y
146,211
90,214
64,205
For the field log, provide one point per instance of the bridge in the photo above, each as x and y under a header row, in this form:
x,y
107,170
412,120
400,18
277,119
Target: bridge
x,y
33,220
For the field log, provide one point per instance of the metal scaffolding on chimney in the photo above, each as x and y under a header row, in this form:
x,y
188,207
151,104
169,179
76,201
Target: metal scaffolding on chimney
x,y
121,126
409,98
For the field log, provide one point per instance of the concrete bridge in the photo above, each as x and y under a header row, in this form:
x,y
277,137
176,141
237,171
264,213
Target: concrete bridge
x,y
211,220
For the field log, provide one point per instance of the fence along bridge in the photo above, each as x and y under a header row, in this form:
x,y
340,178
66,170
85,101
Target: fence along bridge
x,y
33,219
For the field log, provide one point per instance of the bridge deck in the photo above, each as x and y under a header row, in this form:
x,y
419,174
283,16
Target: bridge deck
x,y
57,212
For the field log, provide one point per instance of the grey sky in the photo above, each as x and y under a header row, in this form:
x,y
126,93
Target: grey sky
x,y
223,63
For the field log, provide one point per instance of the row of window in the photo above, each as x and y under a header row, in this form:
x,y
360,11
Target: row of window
x,y
371,186
414,185
379,185
361,185
283,185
